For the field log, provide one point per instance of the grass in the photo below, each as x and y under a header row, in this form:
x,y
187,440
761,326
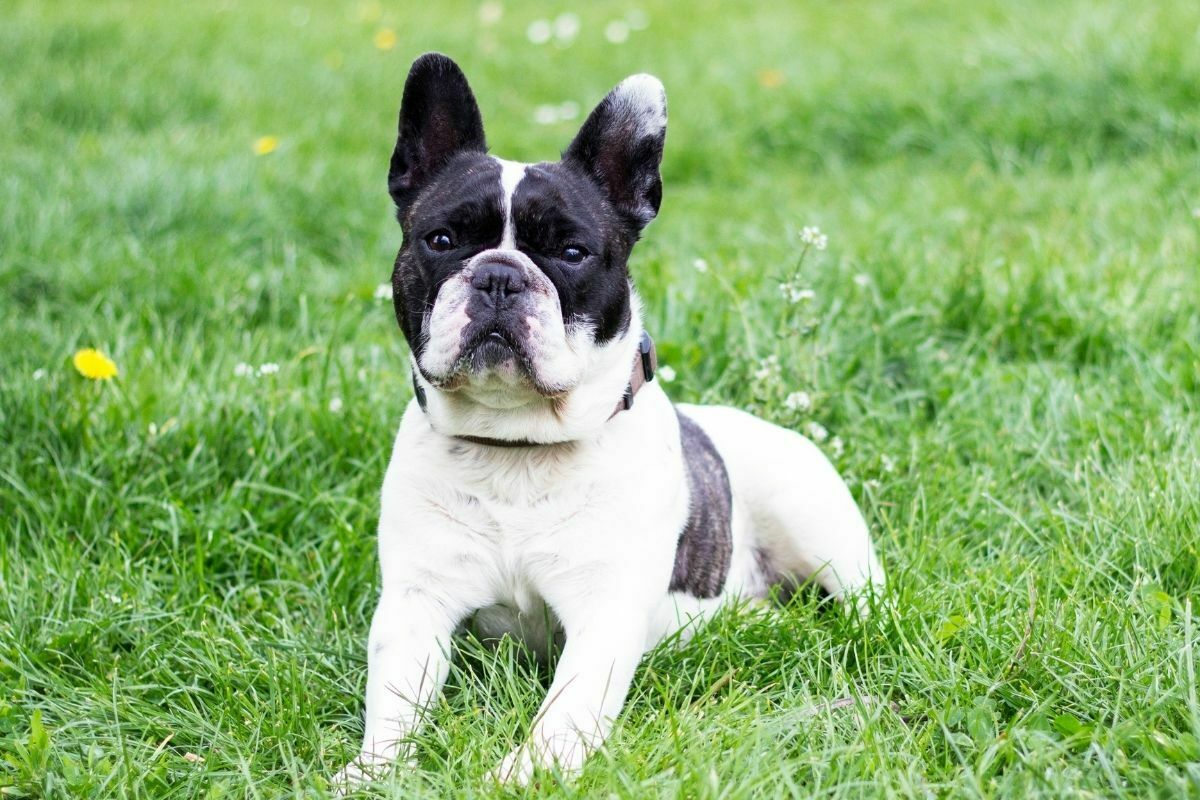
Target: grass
x,y
186,557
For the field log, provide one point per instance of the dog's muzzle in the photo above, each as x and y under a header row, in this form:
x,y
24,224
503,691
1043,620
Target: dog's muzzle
x,y
500,316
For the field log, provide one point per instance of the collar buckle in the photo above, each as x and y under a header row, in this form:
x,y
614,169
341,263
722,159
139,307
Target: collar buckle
x,y
649,356
419,391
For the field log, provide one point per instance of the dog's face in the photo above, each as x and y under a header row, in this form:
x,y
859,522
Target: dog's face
x,y
511,284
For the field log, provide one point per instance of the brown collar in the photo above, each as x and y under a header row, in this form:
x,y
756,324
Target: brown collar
x,y
645,365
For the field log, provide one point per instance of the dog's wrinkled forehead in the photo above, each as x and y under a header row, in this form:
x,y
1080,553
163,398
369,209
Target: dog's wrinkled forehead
x,y
555,203
466,196
483,199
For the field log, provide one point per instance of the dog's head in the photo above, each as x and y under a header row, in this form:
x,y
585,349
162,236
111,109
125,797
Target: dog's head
x,y
511,285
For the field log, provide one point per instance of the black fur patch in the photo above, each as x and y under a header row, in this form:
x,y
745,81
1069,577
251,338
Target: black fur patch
x,y
555,205
621,153
705,545
439,119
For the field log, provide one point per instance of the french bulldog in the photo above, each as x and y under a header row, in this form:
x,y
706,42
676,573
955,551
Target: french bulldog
x,y
542,485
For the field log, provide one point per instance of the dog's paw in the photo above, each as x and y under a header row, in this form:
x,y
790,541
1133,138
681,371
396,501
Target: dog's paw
x,y
349,777
365,769
517,768
564,754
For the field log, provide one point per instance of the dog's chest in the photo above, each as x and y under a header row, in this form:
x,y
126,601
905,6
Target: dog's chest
x,y
522,497
521,525
527,529
522,520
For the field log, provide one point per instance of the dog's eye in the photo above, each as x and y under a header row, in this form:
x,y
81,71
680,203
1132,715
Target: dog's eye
x,y
439,241
574,254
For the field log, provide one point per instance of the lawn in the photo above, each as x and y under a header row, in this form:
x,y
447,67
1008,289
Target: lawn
x,y
1001,352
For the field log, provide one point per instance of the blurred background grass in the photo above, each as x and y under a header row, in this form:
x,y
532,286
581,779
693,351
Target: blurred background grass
x,y
1003,341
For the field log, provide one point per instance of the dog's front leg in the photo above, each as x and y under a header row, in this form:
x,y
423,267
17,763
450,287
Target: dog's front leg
x,y
408,659
589,688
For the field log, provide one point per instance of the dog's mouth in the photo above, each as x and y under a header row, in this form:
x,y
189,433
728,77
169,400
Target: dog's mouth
x,y
494,351
494,358
490,351
498,352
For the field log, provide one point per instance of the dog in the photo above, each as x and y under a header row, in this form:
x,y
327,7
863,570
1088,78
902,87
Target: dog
x,y
541,484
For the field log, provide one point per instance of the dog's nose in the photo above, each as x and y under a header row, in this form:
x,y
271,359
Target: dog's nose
x,y
498,282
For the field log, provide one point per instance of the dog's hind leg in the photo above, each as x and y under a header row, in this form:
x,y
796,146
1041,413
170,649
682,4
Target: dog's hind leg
x,y
802,523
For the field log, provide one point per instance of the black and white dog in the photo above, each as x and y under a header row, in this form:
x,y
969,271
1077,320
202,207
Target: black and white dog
x,y
542,484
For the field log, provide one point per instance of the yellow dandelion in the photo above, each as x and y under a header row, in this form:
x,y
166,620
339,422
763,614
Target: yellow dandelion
x,y
265,144
771,78
385,39
94,364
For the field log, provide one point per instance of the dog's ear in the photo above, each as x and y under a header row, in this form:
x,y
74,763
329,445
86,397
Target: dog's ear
x,y
438,119
620,146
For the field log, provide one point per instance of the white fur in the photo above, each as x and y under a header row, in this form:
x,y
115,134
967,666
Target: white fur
x,y
511,173
579,540
644,97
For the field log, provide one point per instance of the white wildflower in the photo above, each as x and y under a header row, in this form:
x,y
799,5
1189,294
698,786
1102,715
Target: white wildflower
x,y
795,294
539,31
566,28
490,12
637,19
39,373
798,401
617,31
244,370
545,115
888,463
816,431
811,235
862,280
666,373
270,368
837,447
335,405
767,368
568,110
152,429
700,265
383,291
872,485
